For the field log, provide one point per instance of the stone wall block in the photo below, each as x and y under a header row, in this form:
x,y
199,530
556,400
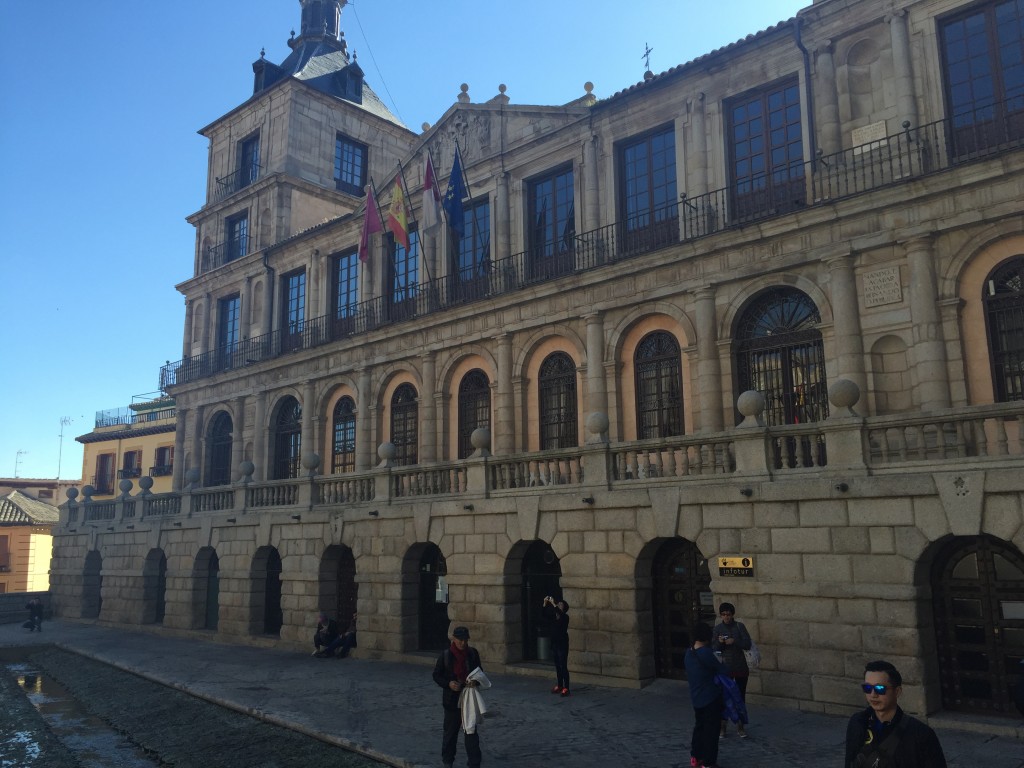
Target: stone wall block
x,y
882,511
483,523
883,569
780,514
930,518
595,541
850,541
823,512
691,521
910,542
897,613
778,568
835,636
883,541
801,540
825,568
577,520
1002,516
617,621
804,609
854,611
809,661
729,516
755,540
837,690
891,641
786,685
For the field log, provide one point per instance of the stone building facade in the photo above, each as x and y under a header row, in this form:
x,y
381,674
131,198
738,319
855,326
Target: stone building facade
x,y
748,330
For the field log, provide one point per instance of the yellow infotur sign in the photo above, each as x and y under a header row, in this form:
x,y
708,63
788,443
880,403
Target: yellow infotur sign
x,y
736,566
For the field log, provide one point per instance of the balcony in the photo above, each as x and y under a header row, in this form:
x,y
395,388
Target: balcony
x,y
103,484
129,473
226,252
913,153
233,182
131,416
163,470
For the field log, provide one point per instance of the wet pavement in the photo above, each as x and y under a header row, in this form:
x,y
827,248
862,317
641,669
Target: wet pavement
x,y
391,710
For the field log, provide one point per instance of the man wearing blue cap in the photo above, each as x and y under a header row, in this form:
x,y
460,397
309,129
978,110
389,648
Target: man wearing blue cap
x,y
450,672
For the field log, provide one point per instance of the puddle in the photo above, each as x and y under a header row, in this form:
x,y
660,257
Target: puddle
x,y
93,742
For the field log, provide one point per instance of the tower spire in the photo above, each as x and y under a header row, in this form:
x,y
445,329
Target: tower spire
x,y
321,22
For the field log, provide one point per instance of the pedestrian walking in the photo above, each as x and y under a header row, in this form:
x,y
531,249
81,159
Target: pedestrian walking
x,y
706,696
451,672
885,735
730,639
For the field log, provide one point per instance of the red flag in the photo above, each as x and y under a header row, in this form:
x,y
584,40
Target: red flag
x,y
397,221
371,225
431,195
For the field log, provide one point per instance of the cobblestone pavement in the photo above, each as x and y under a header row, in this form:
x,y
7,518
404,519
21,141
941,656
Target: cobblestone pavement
x,y
392,711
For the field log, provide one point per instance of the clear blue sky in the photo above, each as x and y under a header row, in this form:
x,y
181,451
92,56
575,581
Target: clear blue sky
x,y
101,160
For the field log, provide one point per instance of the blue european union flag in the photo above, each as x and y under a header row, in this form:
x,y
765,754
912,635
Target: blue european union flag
x,y
452,202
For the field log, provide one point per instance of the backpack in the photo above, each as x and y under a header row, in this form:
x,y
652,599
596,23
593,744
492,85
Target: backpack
x,y
882,754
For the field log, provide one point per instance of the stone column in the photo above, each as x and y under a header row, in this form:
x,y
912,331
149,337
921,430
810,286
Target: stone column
x,y
428,411
204,331
186,345
238,434
929,350
196,458
268,309
709,366
830,130
903,68
183,414
591,186
698,135
846,327
502,236
597,391
504,432
259,439
365,451
309,437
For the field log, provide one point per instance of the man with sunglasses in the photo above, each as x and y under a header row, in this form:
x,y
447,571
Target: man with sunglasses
x,y
883,735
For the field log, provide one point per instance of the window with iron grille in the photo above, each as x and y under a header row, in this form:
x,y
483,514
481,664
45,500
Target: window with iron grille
x,y
779,353
552,217
1004,320
474,408
236,237
131,464
288,439
648,203
659,388
344,421
163,461
345,291
471,253
218,450
248,161
983,69
350,165
556,385
766,151
404,425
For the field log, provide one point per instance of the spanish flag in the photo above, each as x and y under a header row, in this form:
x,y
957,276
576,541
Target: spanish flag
x,y
397,222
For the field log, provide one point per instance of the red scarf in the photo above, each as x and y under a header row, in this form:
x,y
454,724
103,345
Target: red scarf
x,y
460,667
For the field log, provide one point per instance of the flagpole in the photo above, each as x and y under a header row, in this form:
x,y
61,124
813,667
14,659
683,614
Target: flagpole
x,y
462,169
405,187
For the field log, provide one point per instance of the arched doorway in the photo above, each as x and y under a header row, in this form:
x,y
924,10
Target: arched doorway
x,y
154,587
206,589
92,585
541,574
265,579
339,592
680,597
978,600
287,439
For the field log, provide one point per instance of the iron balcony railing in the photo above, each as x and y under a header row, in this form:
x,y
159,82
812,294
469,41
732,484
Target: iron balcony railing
x,y
127,416
901,157
123,474
240,179
226,252
162,470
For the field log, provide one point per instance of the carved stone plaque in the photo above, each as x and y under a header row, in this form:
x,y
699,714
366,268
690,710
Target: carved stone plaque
x,y
882,287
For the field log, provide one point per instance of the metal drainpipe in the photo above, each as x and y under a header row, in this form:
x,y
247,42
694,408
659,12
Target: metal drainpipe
x,y
807,91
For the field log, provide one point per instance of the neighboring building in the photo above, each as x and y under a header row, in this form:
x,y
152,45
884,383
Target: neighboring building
x,y
50,491
26,542
749,330
132,444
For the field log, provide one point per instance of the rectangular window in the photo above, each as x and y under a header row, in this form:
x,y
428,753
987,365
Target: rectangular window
x,y
228,331
131,465
983,60
552,222
648,203
248,161
163,462
293,309
404,277
236,237
345,292
471,256
766,152
350,165
103,480
5,554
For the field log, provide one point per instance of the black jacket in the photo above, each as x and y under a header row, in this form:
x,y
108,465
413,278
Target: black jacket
x,y
558,626
444,673
918,745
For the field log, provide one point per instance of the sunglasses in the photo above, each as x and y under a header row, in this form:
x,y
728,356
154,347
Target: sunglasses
x,y
879,689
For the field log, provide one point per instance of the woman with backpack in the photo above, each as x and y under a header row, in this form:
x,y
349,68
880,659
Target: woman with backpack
x,y
730,638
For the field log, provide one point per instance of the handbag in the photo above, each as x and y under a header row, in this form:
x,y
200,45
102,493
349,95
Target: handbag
x,y
753,656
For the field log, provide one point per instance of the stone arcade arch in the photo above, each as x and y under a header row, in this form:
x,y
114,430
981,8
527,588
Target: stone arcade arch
x,y
206,589
673,594
339,592
425,598
92,585
154,587
978,607
532,572
266,616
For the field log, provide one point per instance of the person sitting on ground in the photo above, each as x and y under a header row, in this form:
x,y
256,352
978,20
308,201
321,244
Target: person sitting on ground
x,y
345,641
326,633
883,734
35,615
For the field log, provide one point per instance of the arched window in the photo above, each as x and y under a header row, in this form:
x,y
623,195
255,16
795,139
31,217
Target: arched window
x,y
779,353
474,408
218,450
557,396
344,453
1004,320
404,418
659,386
287,439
